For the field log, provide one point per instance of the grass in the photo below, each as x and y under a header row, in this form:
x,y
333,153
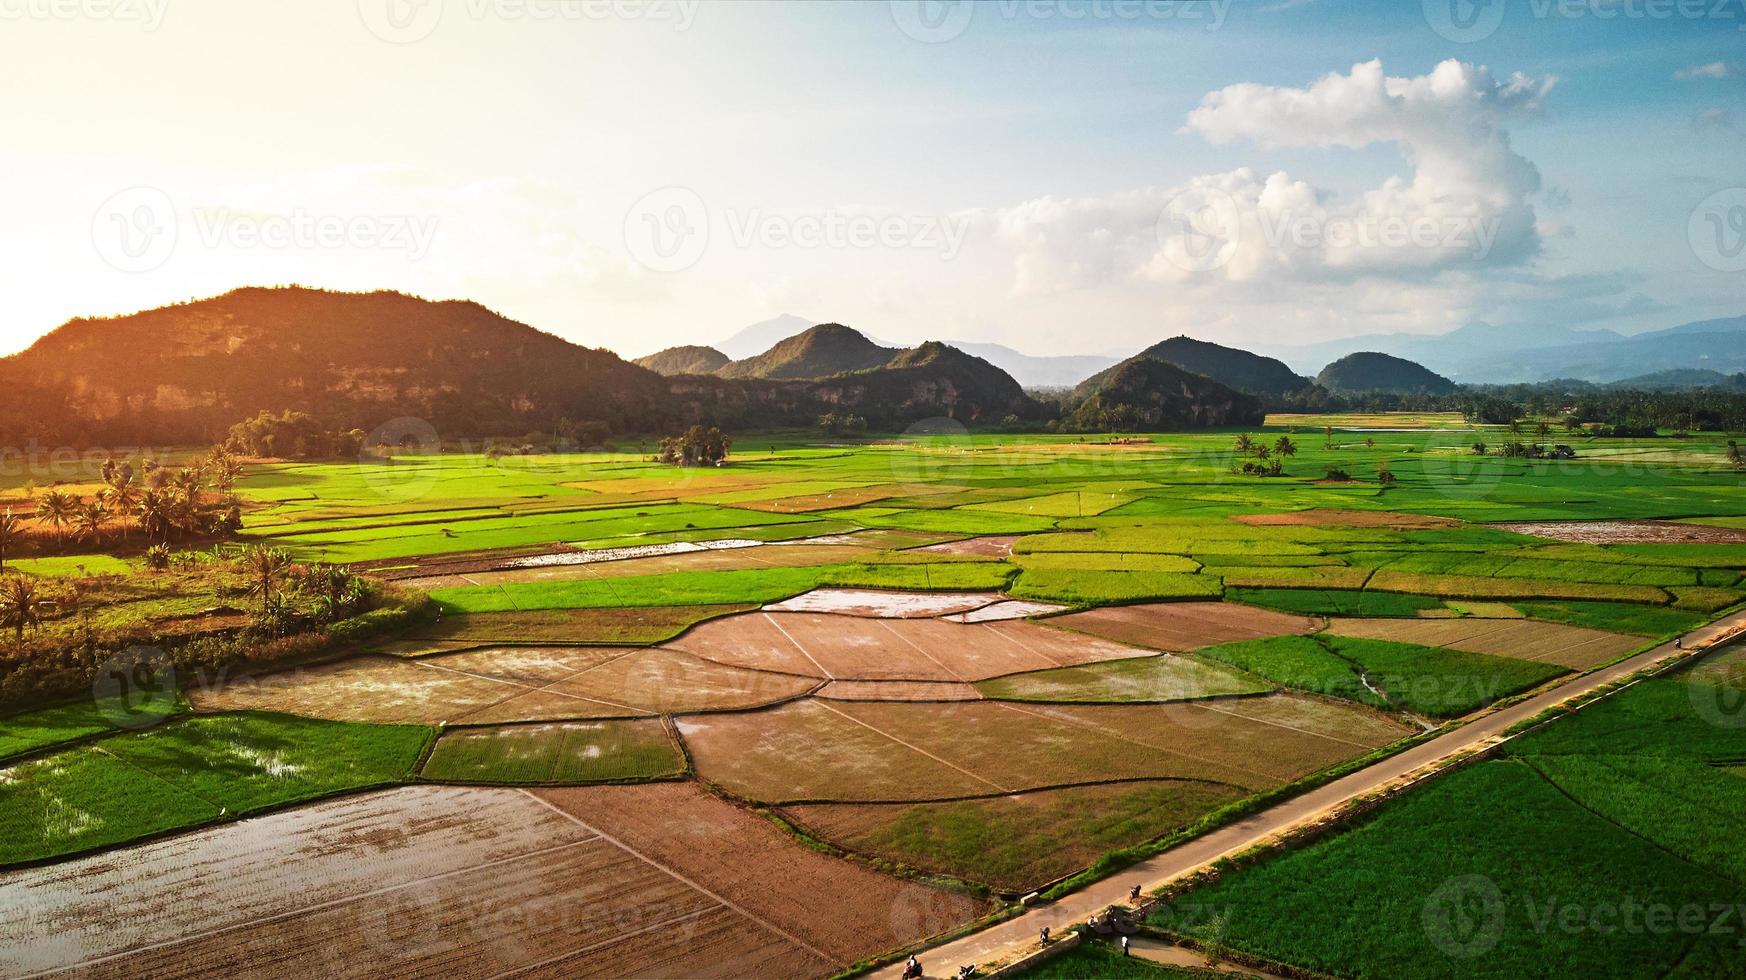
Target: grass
x,y
563,753
628,625
189,772
1298,662
1018,843
1618,617
29,731
1093,588
1336,602
1629,803
672,589
1439,682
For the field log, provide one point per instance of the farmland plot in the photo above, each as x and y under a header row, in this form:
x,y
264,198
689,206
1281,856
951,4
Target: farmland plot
x,y
1573,647
1181,626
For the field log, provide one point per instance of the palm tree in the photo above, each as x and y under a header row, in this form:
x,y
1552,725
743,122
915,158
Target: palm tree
x,y
122,498
265,567
10,530
1245,445
56,510
156,514
1285,447
90,520
20,605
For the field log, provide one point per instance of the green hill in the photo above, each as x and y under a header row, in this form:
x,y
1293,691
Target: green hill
x,y
817,352
1229,366
1142,394
689,359
1370,371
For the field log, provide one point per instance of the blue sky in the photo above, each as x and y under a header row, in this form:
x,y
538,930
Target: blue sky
x,y
1027,173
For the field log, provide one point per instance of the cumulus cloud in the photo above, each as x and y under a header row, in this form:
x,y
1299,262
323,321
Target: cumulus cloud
x,y
1715,69
1465,205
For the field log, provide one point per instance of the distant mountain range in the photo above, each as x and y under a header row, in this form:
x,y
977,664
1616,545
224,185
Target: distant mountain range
x,y
1485,354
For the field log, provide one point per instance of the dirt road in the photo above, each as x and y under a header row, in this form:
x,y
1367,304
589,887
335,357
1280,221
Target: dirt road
x,y
1006,941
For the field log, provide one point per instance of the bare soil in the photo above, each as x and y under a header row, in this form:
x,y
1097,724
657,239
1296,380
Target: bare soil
x,y
882,605
416,882
1177,627
844,910
1575,647
987,546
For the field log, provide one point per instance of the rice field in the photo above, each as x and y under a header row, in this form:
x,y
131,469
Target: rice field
x,y
992,659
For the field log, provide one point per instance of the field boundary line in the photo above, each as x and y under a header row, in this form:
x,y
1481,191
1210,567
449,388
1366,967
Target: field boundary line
x,y
658,866
604,943
913,748
526,689
917,648
1026,647
1112,733
797,645
317,907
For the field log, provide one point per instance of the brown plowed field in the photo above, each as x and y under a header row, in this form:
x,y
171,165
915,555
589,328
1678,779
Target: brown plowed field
x,y
728,559
988,546
884,604
414,882
1628,532
1182,626
849,648
899,691
507,684
839,908
1575,647
873,751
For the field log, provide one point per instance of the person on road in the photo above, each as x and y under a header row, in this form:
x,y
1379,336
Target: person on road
x,y
1134,896
1044,936
1124,945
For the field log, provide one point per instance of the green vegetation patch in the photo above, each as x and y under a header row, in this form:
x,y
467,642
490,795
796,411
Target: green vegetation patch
x,y
920,576
1018,843
28,731
559,753
1617,617
1094,588
630,625
189,772
1163,678
1298,662
742,586
1439,682
1337,602
1395,897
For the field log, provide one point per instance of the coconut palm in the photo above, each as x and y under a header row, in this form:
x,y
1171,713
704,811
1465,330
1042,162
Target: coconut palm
x,y
265,566
90,520
122,497
1245,444
11,528
1285,447
21,605
56,509
156,514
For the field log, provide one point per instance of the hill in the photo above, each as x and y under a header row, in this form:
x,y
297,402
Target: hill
x,y
1371,371
817,352
1033,371
1229,366
185,373
1146,395
689,359
932,380
1682,379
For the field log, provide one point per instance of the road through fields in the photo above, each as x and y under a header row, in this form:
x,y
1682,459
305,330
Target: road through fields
x,y
1008,940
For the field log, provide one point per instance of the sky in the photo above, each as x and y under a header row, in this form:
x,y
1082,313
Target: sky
x,y
1082,176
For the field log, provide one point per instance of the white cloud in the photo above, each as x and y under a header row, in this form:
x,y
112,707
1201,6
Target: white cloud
x,y
1465,205
1715,69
